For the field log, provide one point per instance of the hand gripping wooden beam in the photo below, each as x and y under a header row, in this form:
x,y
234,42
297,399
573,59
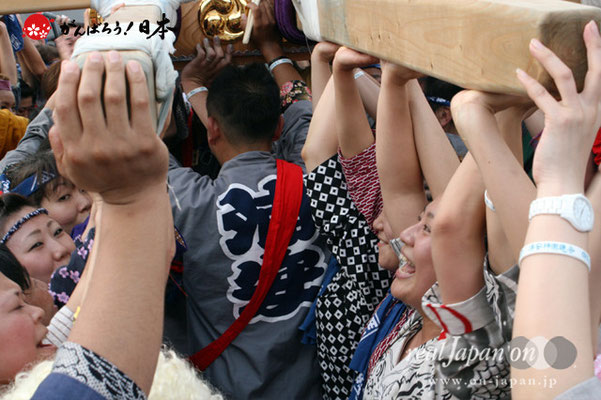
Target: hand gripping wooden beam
x,y
476,44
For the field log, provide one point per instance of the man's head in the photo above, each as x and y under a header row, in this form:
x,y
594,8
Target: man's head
x,y
244,109
439,95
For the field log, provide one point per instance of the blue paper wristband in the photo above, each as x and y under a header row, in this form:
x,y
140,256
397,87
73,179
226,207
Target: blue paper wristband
x,y
560,248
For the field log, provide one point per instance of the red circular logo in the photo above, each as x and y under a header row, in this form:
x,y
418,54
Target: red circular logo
x,y
36,27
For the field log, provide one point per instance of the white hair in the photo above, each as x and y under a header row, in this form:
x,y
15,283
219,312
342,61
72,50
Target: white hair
x,y
174,378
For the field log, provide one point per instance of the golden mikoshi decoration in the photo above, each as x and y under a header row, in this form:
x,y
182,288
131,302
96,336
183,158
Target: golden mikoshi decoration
x,y
222,18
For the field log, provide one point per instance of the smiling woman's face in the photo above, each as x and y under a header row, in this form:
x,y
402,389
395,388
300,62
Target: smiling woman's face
x,y
21,331
41,245
417,275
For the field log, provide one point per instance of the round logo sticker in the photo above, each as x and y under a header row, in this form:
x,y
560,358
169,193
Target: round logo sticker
x,y
36,27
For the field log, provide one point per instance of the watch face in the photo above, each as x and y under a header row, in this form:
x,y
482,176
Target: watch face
x,y
583,213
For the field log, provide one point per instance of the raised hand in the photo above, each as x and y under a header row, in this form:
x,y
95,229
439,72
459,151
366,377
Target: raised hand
x,y
265,34
347,59
398,74
98,145
325,51
210,59
570,123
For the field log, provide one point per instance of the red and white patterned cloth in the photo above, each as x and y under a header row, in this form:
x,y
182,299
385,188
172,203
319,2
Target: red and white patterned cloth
x,y
363,182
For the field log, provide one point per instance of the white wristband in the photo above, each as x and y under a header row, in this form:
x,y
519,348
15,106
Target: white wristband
x,y
279,62
196,91
488,201
359,74
560,248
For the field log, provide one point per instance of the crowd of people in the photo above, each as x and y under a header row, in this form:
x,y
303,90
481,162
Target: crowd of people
x,y
352,230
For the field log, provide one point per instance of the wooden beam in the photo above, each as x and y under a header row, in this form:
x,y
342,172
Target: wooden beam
x,y
31,6
476,44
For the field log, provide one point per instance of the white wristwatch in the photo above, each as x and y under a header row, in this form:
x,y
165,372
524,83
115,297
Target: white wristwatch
x,y
575,208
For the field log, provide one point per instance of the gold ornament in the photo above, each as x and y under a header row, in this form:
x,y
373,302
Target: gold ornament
x,y
222,18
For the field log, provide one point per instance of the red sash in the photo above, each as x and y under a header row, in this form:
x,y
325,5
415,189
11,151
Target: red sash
x,y
284,214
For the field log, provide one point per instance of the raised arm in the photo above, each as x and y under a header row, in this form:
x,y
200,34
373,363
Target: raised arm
x,y
553,298
354,132
134,237
8,64
369,90
267,38
321,57
210,59
31,60
36,133
474,115
594,195
439,165
322,141
458,235
396,157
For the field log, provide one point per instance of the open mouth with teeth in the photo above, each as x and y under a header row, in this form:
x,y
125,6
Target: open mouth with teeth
x,y
406,268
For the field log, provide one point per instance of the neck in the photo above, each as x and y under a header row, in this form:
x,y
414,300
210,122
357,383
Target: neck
x,y
230,151
429,329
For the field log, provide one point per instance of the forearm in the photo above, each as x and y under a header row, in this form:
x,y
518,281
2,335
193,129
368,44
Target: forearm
x,y
400,176
553,300
500,253
322,141
37,131
437,166
133,253
498,165
198,101
32,58
8,64
457,235
369,89
594,195
354,132
320,76
284,72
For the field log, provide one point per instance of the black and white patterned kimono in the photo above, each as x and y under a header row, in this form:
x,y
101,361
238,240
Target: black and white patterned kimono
x,y
355,291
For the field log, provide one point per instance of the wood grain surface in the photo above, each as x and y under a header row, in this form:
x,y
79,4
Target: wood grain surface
x,y
476,44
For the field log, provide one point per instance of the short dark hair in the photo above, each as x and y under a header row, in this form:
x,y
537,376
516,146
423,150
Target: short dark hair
x,y
246,102
35,164
12,268
438,88
12,203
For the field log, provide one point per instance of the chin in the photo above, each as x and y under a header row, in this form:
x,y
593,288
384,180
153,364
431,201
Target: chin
x,y
400,289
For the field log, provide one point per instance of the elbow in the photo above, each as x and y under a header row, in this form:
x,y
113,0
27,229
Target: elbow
x,y
305,153
449,226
